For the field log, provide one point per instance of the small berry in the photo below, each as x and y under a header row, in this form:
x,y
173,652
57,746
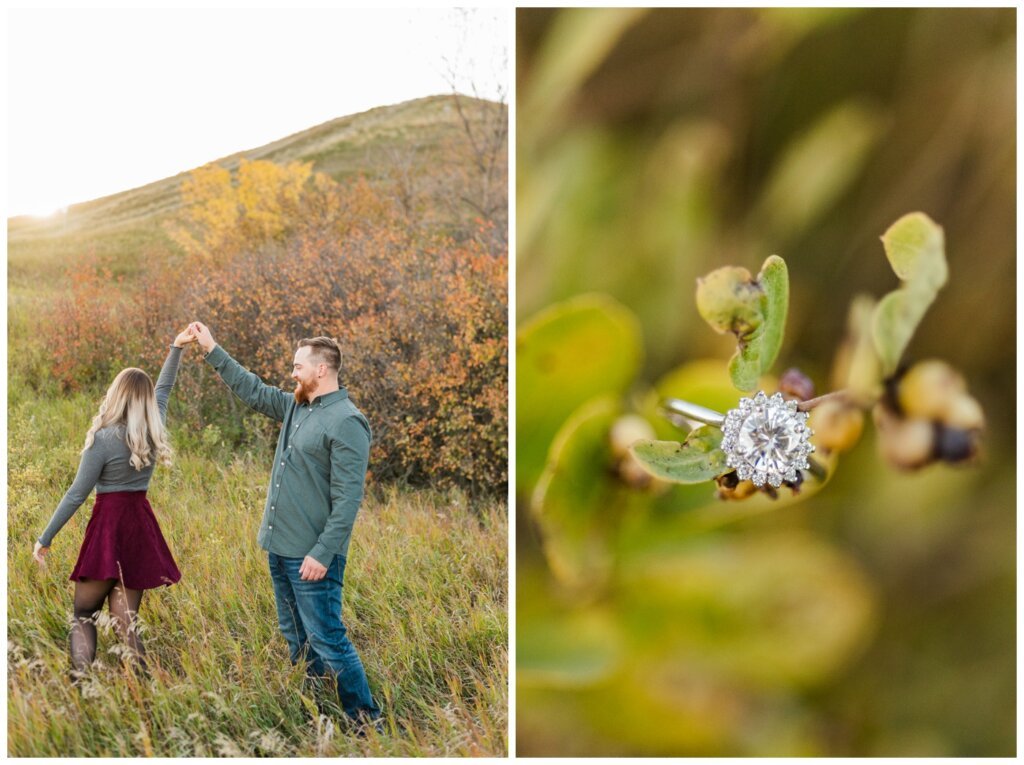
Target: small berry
x,y
928,390
795,384
626,431
904,443
837,425
955,445
965,413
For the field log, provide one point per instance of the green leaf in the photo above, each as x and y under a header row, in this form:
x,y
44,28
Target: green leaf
x,y
697,459
774,280
578,496
754,310
566,355
915,247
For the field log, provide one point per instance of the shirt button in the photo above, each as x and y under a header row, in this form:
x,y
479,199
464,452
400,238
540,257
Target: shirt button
x,y
269,527
282,464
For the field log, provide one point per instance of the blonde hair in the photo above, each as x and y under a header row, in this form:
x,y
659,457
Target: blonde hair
x,y
131,402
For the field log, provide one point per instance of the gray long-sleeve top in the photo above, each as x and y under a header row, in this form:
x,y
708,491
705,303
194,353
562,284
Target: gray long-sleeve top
x,y
106,465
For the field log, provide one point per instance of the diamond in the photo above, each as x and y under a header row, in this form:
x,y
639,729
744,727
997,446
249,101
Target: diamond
x,y
766,439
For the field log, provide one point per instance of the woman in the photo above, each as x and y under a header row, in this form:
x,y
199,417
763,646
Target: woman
x,y
123,553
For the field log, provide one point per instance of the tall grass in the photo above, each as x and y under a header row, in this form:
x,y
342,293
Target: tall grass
x,y
424,600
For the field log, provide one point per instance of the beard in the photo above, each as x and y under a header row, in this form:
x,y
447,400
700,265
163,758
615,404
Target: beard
x,y
304,391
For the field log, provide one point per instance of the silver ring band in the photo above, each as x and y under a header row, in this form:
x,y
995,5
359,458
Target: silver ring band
x,y
694,412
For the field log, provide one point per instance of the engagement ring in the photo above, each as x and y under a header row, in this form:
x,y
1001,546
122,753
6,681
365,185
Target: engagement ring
x,y
765,438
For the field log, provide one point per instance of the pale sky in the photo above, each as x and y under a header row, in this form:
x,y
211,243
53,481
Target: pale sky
x,y
101,101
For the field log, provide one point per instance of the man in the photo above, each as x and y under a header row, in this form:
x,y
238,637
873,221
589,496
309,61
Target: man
x,y
316,486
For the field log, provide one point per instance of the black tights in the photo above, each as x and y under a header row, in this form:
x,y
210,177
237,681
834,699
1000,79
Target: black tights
x,y
124,608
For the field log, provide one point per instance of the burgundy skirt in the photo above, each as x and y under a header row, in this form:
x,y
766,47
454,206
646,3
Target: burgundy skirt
x,y
123,541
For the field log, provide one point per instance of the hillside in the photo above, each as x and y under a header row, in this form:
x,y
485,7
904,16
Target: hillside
x,y
124,225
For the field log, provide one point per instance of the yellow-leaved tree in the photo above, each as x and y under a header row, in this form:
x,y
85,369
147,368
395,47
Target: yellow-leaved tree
x,y
224,215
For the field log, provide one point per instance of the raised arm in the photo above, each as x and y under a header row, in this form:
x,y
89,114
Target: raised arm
x,y
89,470
165,382
265,399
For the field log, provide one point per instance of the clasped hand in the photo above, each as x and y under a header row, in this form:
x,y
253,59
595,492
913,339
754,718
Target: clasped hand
x,y
195,332
186,336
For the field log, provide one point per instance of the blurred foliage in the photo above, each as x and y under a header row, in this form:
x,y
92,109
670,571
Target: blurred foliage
x,y
565,356
872,618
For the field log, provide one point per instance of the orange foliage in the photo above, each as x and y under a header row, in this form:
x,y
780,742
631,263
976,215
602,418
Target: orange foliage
x,y
281,254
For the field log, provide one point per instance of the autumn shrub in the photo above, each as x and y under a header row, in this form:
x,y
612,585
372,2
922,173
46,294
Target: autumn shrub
x,y
101,323
88,304
276,253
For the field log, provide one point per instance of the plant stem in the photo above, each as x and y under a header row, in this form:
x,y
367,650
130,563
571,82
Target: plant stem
x,y
809,404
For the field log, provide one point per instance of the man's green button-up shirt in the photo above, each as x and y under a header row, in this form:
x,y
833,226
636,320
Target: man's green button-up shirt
x,y
316,485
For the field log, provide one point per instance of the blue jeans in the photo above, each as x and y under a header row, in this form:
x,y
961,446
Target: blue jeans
x,y
309,614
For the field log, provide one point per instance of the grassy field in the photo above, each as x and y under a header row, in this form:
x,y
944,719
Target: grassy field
x,y
425,603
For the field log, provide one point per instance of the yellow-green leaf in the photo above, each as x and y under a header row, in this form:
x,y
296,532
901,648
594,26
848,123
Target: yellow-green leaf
x,y
915,247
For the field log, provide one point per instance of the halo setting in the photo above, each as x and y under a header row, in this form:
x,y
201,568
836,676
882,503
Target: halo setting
x,y
766,440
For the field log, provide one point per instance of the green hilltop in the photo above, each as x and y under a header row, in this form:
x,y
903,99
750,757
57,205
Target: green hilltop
x,y
128,226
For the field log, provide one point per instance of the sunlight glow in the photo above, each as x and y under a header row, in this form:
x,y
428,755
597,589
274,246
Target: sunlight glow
x,y
63,210
136,96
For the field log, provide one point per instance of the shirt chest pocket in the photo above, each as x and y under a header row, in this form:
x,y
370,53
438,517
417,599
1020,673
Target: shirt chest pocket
x,y
310,441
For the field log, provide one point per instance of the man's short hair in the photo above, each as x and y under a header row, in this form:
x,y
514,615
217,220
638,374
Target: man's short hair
x,y
325,350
